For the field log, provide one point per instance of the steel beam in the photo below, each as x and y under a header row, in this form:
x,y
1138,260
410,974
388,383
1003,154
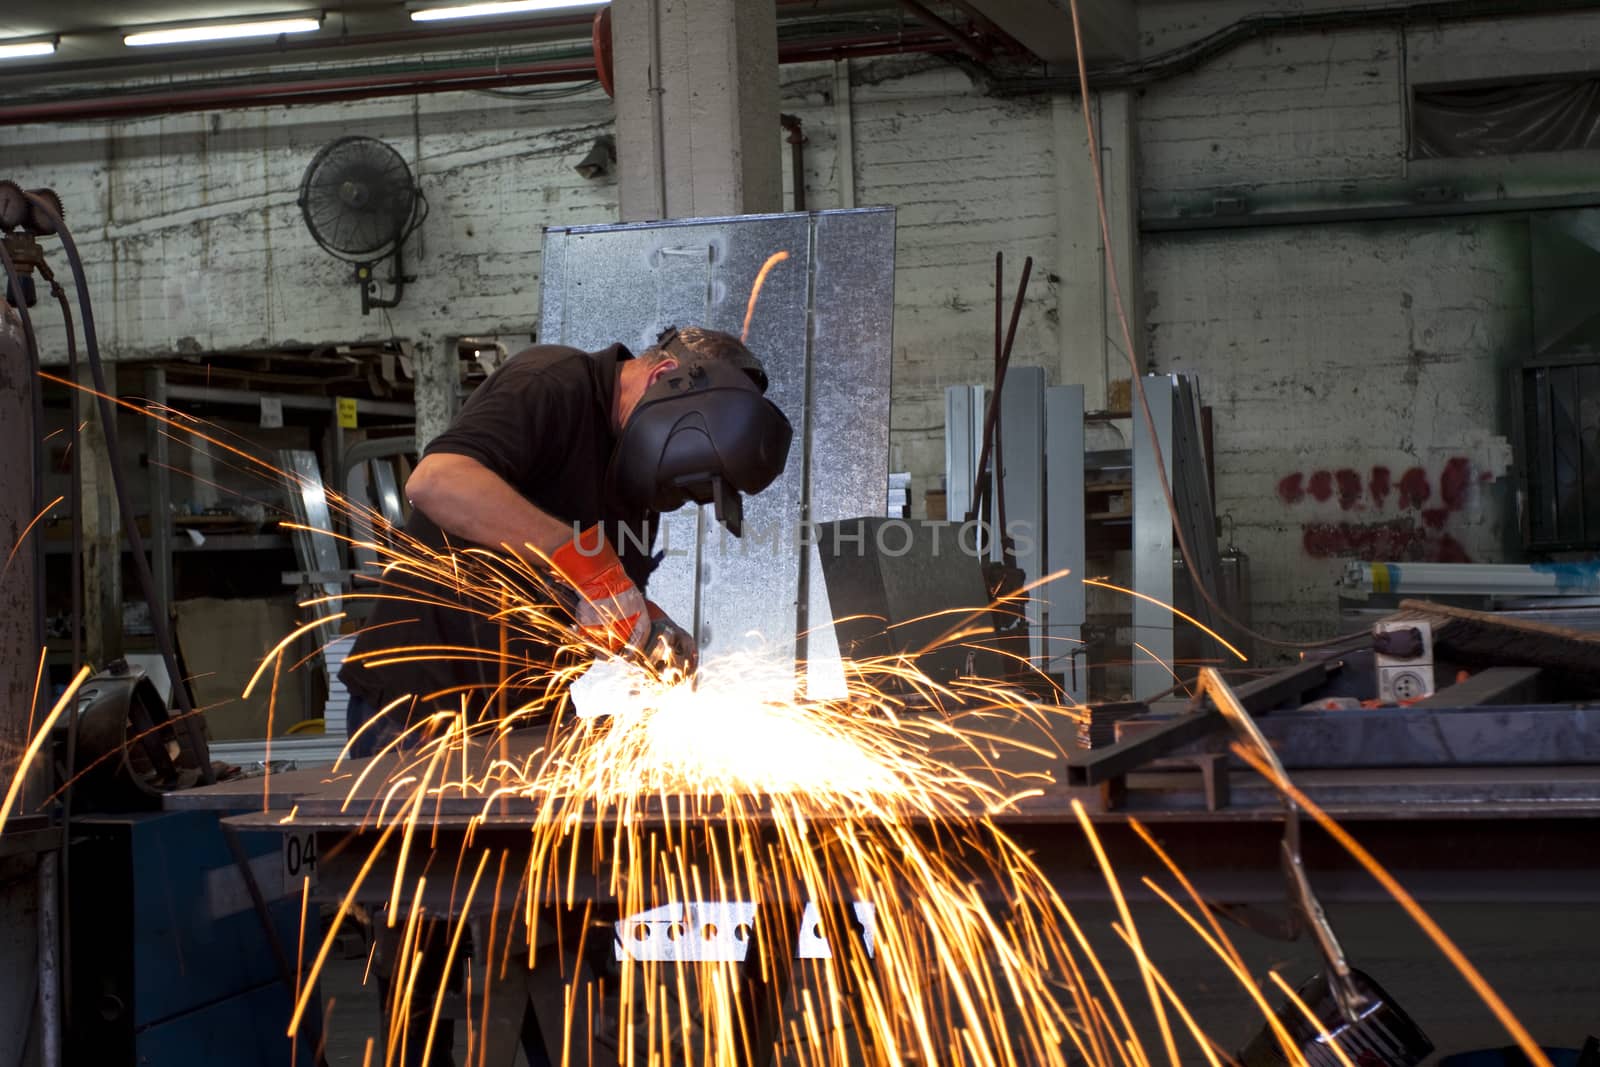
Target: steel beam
x,y
1130,753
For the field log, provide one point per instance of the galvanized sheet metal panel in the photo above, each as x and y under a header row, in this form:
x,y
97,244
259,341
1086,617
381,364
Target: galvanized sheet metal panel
x,y
822,325
851,352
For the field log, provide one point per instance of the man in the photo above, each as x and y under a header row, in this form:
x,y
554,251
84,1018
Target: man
x,y
562,459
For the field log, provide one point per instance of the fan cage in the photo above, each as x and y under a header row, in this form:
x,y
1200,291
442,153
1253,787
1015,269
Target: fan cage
x,y
359,199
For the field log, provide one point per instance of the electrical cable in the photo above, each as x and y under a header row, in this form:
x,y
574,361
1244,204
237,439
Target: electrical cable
x,y
159,621
1138,376
539,94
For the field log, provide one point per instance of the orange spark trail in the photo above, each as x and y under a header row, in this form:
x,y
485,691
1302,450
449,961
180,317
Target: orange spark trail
x,y
755,290
1392,886
1101,584
1311,1017
68,698
23,536
1134,942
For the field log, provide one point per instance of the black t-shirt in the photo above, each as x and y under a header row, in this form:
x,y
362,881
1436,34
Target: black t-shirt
x,y
542,422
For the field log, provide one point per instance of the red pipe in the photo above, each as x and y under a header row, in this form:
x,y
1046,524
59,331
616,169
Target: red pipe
x,y
363,86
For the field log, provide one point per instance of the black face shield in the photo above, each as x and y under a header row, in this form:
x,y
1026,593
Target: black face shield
x,y
704,432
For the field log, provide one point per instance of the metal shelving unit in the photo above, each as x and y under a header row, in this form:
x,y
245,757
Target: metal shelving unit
x,y
164,539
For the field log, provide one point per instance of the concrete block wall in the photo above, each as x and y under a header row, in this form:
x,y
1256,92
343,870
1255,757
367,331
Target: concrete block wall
x,y
1358,368
194,241
1334,352
970,175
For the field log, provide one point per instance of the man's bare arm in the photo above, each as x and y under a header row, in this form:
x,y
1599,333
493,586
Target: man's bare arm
x,y
472,503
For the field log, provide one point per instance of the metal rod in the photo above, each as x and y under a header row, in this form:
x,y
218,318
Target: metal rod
x,y
991,418
1340,981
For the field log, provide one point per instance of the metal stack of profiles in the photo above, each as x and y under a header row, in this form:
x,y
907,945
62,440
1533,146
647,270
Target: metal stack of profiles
x,y
1042,429
1158,571
1041,433
822,324
314,543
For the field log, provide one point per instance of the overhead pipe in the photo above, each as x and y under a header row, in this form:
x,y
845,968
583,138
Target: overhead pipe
x,y
970,48
797,156
364,86
1188,56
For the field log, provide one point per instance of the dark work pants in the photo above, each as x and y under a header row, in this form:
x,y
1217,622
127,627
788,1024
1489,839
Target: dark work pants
x,y
434,937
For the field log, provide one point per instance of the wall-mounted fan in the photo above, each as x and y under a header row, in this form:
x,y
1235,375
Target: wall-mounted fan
x,y
360,203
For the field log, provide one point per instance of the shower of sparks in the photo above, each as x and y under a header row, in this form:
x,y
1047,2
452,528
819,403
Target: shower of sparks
x,y
726,819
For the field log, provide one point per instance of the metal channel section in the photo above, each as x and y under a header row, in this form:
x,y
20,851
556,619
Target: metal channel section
x,y
852,350
823,327
963,441
319,549
1175,409
1064,546
1022,451
1152,540
1042,447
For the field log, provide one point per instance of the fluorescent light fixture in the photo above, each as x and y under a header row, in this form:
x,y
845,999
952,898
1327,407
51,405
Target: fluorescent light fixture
x,y
498,7
24,49
223,31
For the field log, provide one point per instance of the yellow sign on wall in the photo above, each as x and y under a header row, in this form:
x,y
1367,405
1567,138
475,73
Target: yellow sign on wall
x,y
347,413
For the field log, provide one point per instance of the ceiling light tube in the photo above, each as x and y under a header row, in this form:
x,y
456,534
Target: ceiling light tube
x,y
223,31
497,7
24,49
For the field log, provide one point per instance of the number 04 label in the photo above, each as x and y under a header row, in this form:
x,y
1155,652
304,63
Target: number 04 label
x,y
299,859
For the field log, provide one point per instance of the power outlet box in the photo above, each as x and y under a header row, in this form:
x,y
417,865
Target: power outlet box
x,y
1403,678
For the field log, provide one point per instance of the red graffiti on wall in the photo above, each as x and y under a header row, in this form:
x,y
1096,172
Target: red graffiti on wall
x,y
1291,489
1420,536
1414,488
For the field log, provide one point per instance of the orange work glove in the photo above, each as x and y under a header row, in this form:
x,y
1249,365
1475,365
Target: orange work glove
x,y
668,644
611,611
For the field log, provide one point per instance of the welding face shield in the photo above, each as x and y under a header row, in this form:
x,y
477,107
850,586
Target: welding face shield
x,y
704,431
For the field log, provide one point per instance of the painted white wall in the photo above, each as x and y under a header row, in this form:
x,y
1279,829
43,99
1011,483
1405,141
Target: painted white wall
x,y
1344,347
1324,348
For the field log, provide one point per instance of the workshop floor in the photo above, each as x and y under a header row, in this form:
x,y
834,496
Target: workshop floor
x,y
1541,959
355,1015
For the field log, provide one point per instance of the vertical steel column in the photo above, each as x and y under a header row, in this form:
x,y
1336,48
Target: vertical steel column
x,y
963,428
1063,595
158,445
